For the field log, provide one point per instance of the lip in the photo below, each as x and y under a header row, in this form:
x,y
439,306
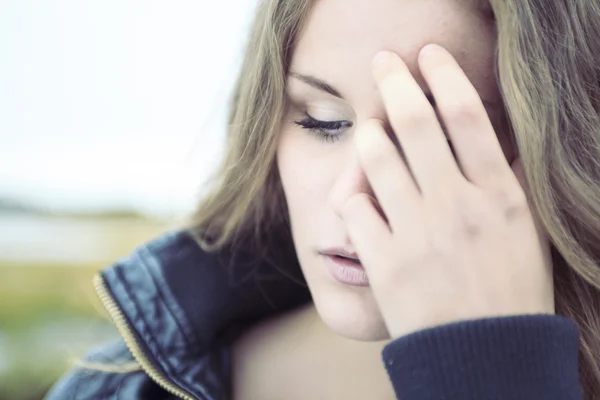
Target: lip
x,y
346,271
341,251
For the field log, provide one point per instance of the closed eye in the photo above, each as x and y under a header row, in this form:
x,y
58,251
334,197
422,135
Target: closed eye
x,y
325,130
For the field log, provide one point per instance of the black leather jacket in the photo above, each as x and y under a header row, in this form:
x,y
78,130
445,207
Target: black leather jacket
x,y
177,310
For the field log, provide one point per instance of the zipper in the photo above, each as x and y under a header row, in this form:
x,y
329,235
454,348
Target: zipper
x,y
126,332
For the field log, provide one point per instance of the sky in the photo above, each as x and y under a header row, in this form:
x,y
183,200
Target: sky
x,y
115,103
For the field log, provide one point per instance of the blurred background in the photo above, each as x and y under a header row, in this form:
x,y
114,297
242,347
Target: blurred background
x,y
112,114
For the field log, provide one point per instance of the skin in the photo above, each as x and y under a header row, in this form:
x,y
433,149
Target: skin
x,y
461,242
455,239
319,177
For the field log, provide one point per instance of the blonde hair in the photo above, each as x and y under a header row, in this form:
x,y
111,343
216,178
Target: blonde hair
x,y
550,82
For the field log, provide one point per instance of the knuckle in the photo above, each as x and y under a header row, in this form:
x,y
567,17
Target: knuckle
x,y
512,203
469,224
410,115
461,112
416,117
467,219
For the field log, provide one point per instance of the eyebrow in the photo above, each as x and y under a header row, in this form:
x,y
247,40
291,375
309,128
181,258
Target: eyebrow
x,y
327,88
317,84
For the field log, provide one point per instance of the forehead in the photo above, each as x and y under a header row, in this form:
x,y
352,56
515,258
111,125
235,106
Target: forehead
x,y
340,38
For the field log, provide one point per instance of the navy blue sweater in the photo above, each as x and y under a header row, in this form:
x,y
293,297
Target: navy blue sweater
x,y
521,357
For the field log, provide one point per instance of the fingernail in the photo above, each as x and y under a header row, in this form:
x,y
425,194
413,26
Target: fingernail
x,y
382,61
430,50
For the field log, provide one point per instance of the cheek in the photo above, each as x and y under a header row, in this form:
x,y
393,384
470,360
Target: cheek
x,y
306,172
296,168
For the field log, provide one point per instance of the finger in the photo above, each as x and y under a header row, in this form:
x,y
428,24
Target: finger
x,y
415,124
475,143
388,176
517,168
369,234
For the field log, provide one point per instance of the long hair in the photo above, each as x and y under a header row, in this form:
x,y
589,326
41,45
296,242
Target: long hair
x,y
549,77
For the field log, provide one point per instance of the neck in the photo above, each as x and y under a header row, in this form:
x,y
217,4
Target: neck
x,y
298,353
306,322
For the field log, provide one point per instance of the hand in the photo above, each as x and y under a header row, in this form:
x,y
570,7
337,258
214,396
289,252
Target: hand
x,y
460,241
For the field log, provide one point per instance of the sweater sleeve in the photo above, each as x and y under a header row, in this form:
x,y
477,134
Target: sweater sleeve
x,y
520,357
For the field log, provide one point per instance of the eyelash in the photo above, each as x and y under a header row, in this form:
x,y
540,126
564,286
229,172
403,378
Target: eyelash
x,y
319,128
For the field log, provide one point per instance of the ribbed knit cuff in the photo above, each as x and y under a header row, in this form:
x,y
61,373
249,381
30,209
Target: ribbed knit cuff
x,y
520,357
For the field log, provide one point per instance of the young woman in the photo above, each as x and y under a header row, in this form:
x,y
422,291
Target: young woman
x,y
409,208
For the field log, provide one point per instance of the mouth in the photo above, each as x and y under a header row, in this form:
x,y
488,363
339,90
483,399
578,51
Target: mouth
x,y
341,252
346,270
354,261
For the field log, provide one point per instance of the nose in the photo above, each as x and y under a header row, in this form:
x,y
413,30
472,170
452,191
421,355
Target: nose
x,y
352,180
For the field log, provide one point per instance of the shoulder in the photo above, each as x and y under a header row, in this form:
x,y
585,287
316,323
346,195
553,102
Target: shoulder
x,y
102,373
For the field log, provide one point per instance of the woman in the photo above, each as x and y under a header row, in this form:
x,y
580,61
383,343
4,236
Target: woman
x,y
429,169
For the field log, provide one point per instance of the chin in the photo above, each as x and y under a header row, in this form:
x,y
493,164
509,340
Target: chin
x,y
347,310
350,312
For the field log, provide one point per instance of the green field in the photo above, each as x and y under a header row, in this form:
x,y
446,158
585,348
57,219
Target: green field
x,y
49,312
49,315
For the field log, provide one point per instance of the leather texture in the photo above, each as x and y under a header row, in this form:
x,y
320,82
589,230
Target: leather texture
x,y
185,307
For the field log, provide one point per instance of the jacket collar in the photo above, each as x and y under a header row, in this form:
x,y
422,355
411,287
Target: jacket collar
x,y
180,309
